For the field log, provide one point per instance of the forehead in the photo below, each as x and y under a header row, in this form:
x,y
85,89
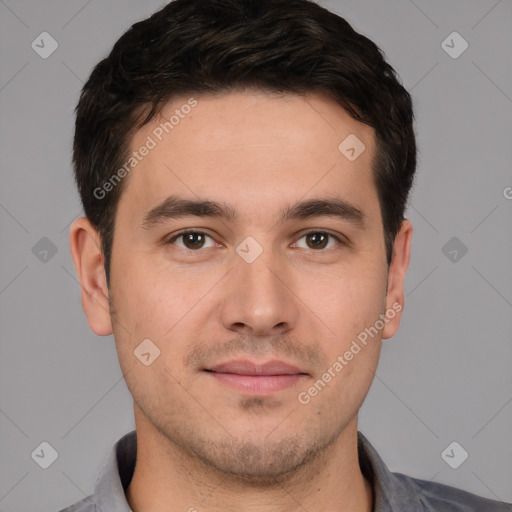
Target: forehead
x,y
251,148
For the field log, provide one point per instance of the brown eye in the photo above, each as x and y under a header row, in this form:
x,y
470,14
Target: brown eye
x,y
191,240
318,240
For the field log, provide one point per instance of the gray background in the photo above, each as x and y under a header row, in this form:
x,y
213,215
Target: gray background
x,y
444,377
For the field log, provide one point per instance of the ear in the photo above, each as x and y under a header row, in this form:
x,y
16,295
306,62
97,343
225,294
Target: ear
x,y
85,245
395,296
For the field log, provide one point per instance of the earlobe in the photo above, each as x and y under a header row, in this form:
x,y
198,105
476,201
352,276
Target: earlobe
x,y
85,246
395,297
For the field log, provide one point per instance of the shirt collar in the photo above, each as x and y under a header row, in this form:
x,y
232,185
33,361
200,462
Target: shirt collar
x,y
109,491
391,493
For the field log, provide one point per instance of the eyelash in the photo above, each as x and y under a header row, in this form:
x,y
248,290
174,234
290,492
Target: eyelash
x,y
315,231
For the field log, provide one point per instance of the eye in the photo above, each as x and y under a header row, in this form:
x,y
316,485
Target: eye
x,y
195,240
192,240
319,240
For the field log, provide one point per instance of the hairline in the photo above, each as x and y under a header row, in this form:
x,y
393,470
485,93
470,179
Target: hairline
x,y
142,114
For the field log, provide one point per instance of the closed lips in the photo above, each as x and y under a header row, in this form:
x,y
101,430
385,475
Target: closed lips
x,y
244,367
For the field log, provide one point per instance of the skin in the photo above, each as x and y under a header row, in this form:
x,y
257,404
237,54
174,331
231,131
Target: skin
x,y
203,444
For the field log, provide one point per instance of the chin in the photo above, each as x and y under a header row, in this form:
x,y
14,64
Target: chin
x,y
262,462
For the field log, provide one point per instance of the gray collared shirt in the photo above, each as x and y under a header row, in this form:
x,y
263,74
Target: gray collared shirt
x,y
394,492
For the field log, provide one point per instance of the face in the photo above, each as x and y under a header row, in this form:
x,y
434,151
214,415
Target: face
x,y
252,317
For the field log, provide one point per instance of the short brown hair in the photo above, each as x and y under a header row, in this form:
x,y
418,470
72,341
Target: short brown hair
x,y
208,46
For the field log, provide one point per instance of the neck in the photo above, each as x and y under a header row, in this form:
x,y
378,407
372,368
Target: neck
x,y
167,478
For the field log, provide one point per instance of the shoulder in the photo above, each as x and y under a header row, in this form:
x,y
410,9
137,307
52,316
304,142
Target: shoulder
x,y
436,497
85,505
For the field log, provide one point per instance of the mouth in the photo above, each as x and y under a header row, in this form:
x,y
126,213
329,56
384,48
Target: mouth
x,y
256,378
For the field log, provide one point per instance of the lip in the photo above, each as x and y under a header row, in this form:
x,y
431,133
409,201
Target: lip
x,y
245,367
256,378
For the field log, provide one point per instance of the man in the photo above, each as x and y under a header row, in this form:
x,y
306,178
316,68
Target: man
x,y
244,168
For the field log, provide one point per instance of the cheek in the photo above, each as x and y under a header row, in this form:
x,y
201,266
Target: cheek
x,y
150,296
350,304
334,400
170,315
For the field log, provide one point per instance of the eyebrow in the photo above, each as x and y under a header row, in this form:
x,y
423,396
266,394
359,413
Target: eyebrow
x,y
175,207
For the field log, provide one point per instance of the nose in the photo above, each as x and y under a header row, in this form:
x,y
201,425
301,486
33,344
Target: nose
x,y
259,299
